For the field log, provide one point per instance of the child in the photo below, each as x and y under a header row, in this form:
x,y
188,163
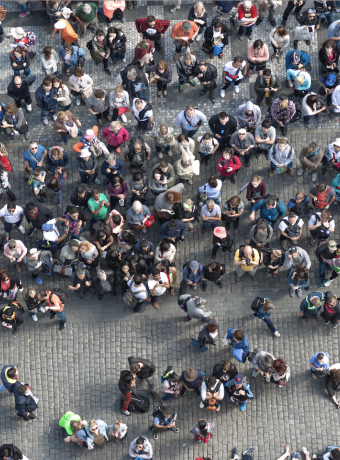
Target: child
x,y
55,185
203,431
119,101
119,431
5,186
38,183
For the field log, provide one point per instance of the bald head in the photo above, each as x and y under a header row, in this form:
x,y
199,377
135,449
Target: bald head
x,y
17,80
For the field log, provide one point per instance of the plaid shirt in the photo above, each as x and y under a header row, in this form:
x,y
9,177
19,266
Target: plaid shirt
x,y
161,25
277,113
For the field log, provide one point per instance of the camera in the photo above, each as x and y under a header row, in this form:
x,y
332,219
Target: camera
x,y
247,261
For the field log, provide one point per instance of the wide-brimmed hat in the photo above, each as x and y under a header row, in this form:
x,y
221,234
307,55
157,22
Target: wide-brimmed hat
x,y
220,232
18,32
190,374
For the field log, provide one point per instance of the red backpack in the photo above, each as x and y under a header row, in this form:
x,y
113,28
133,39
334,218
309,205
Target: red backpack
x,y
321,202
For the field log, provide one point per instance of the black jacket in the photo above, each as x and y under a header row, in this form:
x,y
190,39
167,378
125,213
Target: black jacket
x,y
224,376
121,385
128,84
304,21
212,276
192,16
324,251
20,93
228,129
185,214
147,371
77,201
20,63
324,59
16,453
226,242
118,44
320,8
260,85
204,337
209,75
209,35
23,404
44,215
145,254
31,303
111,278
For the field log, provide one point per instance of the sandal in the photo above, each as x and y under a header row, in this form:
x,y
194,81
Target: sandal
x,y
172,290
275,273
312,241
268,272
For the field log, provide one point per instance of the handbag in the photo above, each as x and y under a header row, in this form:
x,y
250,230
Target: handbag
x,y
212,86
206,48
203,195
196,168
260,66
150,221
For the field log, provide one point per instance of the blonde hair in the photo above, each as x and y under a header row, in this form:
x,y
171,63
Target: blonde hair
x,y
85,245
199,5
189,202
256,179
119,89
268,306
116,425
92,423
282,140
61,116
275,254
143,45
137,206
56,151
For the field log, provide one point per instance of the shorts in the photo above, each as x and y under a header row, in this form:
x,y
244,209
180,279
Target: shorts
x,y
64,433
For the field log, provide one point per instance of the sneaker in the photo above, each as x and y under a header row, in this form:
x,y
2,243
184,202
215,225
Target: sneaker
x,y
291,292
62,201
314,176
201,405
62,326
23,15
29,107
300,171
150,128
219,408
328,282
124,60
234,453
305,451
250,73
108,71
180,88
240,37
21,230
277,334
126,412
236,89
222,93
42,309
249,450
173,10
27,136
38,280
155,437
334,325
192,82
45,120
219,284
78,100
144,230
255,373
34,317
280,58
30,231
54,117
97,181
299,293
123,118
198,38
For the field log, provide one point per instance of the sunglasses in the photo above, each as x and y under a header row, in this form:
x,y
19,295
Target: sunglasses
x,y
34,148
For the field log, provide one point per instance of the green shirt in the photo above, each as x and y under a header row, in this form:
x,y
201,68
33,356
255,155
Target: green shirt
x,y
94,205
66,419
86,17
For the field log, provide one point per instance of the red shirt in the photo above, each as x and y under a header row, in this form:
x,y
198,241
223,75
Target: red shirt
x,y
161,25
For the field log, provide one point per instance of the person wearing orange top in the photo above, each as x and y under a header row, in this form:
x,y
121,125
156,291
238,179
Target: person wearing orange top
x,y
184,34
67,32
55,305
86,140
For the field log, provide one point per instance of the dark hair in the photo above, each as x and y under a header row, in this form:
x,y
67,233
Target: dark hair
x,y
100,32
215,267
158,171
94,191
226,365
53,183
238,334
78,72
172,223
211,379
164,246
211,327
140,441
301,272
212,181
137,176
47,81
267,73
81,189
11,372
202,426
116,180
258,44
238,59
335,454
99,93
129,237
101,234
311,100
144,244
182,137
22,389
329,44
6,452
280,366
116,219
266,124
73,210
151,18
163,164
165,263
135,258
127,379
11,205
270,202
319,357
218,25
234,201
321,187
4,275
138,279
155,272
113,30
222,115
207,136
283,97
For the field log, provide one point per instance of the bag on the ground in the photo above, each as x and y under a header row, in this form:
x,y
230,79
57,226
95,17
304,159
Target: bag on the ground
x,y
138,403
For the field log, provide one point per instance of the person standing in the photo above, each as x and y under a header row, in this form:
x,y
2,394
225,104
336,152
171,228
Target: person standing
x,y
98,205
141,448
126,382
139,291
55,304
326,252
19,90
331,311
100,50
184,34
25,402
46,100
203,431
233,72
143,113
238,343
10,215
36,215
246,260
191,380
246,18
310,158
207,75
243,144
190,120
266,87
86,15
223,126
152,29
143,369
98,105
192,274
262,363
319,365
238,391
164,419
9,376
282,111
211,388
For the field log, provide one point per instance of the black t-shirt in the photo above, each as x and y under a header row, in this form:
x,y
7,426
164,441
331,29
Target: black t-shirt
x,y
212,276
74,280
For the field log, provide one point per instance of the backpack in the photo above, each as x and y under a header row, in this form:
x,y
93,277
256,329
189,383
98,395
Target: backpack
x,y
98,226
320,203
212,403
17,306
15,451
89,44
47,245
301,209
256,304
183,303
273,197
129,297
292,229
166,374
59,293
32,38
138,403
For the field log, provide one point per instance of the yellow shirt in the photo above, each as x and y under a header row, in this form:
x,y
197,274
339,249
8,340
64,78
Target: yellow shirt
x,y
245,267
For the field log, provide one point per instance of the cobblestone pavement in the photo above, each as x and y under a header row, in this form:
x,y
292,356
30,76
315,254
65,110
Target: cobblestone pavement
x,y
64,369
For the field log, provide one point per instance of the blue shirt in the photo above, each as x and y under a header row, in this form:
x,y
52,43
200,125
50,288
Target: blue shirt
x,y
30,157
195,383
316,363
270,214
243,345
304,58
291,205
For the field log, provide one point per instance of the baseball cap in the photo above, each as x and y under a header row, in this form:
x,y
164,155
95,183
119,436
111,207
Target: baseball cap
x,y
238,379
47,227
337,142
331,79
242,131
33,251
194,265
332,245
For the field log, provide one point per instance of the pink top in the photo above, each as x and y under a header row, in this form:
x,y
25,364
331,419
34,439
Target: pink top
x,y
21,249
262,54
116,228
330,57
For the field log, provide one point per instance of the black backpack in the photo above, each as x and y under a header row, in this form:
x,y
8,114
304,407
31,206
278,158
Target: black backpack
x,y
273,197
262,222
301,209
59,293
89,44
257,303
17,306
16,453
100,225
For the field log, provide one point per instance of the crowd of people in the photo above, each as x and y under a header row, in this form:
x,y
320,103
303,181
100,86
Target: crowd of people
x,y
115,258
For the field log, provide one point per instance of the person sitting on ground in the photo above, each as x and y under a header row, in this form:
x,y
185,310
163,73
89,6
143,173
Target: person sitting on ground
x,y
319,365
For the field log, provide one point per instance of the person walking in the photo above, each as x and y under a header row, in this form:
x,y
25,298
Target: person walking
x,y
194,307
262,308
56,305
25,402
238,343
203,431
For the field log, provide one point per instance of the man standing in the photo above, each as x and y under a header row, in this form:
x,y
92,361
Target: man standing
x,y
191,380
185,69
46,100
295,257
173,231
86,15
143,369
98,105
238,391
144,115
25,402
192,274
243,144
184,34
207,75
189,120
310,157
157,283
265,136
56,305
266,87
246,260
271,210
153,29
326,251
139,291
282,112
98,205
10,215
211,215
36,215
223,126
19,90
34,157
311,305
9,376
80,282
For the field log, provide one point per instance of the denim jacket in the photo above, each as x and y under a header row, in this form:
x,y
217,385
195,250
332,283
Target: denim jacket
x,y
295,282
244,345
77,52
262,315
85,432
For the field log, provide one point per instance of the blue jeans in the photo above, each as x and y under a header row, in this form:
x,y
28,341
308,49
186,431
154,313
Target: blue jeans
x,y
245,31
205,157
329,17
2,388
142,94
61,316
269,323
167,397
27,72
24,7
8,226
86,177
189,133
243,406
210,224
58,196
63,108
227,83
120,57
23,261
46,113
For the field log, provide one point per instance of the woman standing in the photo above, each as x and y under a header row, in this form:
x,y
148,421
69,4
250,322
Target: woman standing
x,y
228,165
165,251
100,50
88,254
144,53
115,135
20,61
185,143
33,302
262,308
49,61
16,251
280,40
165,202
116,222
158,182
208,334
281,373
199,16
163,74
71,56
311,107
212,189
57,158
170,270
333,383
258,55
329,57
62,94
9,285
14,121
137,215
273,262
116,42
203,431
119,101
117,190
298,278
66,125
256,189
189,214
331,311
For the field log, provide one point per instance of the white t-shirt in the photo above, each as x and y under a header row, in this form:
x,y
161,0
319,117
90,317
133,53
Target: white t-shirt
x,y
11,218
230,69
159,290
147,115
283,225
140,296
203,148
312,221
54,234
